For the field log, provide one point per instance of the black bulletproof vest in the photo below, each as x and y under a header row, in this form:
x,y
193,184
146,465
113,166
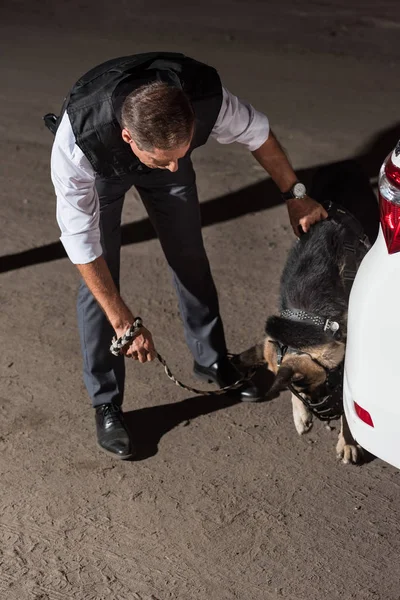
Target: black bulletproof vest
x,y
94,104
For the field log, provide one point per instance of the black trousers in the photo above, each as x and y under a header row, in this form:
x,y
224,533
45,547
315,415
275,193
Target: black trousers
x,y
172,205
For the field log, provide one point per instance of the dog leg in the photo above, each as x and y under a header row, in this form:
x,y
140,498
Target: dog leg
x,y
347,449
302,417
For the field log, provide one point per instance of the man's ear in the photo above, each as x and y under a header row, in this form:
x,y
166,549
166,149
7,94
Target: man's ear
x,y
126,136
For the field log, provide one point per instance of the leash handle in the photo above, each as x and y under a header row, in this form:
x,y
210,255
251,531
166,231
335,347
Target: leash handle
x,y
117,344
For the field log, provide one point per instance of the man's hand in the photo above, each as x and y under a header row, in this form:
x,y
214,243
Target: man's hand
x,y
303,213
99,281
141,348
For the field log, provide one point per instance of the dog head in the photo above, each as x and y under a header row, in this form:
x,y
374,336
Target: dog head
x,y
311,354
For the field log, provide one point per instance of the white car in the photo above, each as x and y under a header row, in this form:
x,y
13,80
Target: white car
x,y
371,385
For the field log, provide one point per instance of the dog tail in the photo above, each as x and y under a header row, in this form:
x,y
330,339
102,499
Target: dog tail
x,y
295,333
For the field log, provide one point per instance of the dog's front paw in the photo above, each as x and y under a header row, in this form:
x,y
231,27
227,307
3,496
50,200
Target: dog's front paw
x,y
302,417
349,454
303,422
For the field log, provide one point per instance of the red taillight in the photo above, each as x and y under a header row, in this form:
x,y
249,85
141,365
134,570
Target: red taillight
x,y
363,415
389,200
390,221
392,172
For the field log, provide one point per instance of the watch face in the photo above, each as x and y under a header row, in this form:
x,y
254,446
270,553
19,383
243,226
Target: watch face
x,y
299,190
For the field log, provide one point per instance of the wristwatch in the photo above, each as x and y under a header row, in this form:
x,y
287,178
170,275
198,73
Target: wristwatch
x,y
298,190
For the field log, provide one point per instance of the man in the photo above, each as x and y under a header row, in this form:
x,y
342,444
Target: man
x,y
135,121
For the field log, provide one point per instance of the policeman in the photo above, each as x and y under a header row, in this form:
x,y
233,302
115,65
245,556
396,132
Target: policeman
x,y
134,121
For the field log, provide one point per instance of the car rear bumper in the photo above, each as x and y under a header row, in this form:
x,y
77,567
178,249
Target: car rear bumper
x,y
382,440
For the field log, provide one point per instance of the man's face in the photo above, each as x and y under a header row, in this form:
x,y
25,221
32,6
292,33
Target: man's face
x,y
157,159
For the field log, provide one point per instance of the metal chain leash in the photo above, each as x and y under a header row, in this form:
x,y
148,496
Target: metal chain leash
x,y
217,392
117,346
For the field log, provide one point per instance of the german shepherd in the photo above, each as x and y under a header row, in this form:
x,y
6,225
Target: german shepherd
x,y
305,343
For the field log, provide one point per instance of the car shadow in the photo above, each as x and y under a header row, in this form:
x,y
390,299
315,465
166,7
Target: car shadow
x,y
367,457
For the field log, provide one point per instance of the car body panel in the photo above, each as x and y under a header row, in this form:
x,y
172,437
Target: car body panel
x,y
372,367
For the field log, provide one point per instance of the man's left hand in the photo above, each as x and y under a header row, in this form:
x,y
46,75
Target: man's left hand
x,y
304,212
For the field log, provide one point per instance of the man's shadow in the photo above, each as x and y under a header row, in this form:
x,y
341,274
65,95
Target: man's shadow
x,y
148,425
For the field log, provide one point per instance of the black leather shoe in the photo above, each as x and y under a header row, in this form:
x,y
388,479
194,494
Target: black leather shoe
x,y
112,434
224,373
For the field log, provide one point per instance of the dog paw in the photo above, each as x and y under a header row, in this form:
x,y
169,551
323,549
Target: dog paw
x,y
349,454
303,422
302,417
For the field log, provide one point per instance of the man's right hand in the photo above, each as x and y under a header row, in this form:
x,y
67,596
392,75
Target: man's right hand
x,y
141,348
99,281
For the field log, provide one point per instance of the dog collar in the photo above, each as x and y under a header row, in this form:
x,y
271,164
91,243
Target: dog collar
x,y
301,315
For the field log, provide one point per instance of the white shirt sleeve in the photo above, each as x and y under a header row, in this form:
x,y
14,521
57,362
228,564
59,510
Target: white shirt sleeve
x,y
77,200
240,122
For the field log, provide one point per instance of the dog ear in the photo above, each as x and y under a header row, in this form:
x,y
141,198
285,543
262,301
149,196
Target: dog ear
x,y
281,381
333,354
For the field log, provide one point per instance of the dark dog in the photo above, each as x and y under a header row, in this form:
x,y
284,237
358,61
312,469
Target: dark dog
x,y
305,343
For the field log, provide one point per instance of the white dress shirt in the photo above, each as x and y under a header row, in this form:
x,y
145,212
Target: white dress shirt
x,y
74,178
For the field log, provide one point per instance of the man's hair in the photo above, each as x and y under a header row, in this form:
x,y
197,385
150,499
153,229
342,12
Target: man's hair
x,y
158,115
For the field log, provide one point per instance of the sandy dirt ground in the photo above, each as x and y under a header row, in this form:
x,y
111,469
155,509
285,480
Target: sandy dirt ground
x,y
225,501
